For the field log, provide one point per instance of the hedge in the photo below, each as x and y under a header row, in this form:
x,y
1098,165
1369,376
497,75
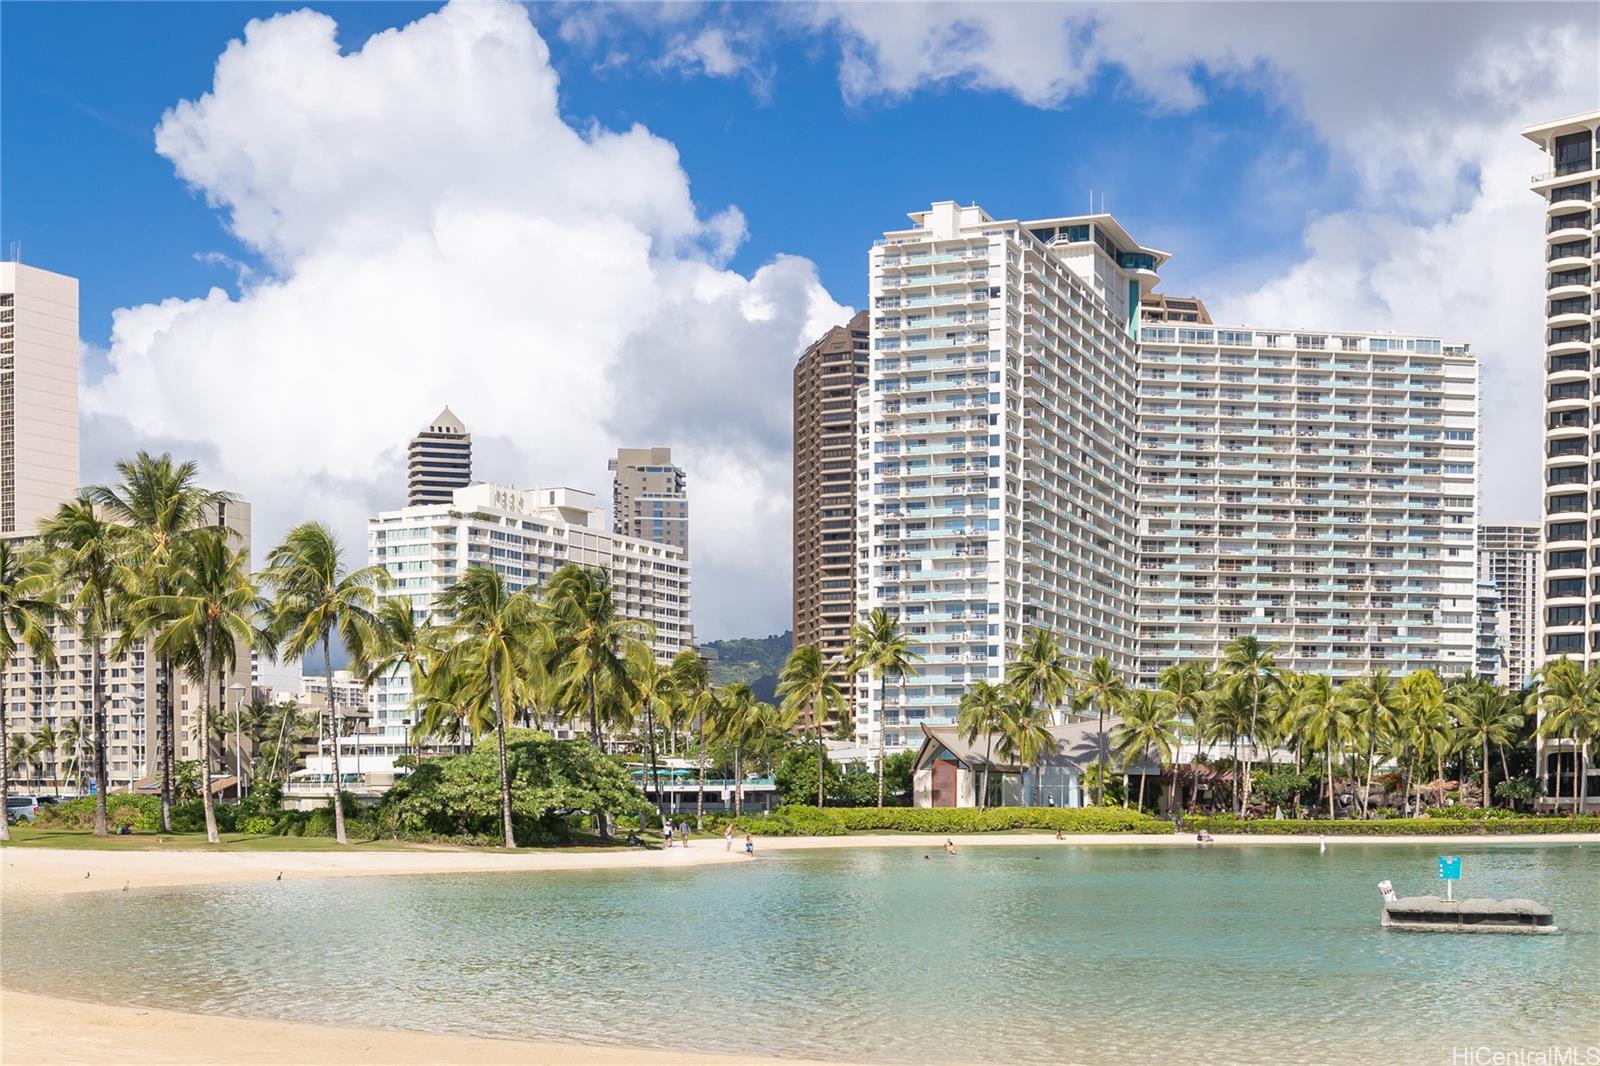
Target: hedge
x,y
1391,826
795,820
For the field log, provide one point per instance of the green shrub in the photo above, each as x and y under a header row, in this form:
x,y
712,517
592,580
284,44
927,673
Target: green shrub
x,y
143,813
1391,826
257,825
796,820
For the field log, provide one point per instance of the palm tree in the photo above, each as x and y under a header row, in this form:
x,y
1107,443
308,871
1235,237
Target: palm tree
x,y
45,745
497,633
1375,702
400,641
740,720
592,641
983,713
213,602
1325,720
27,610
1025,736
1422,727
806,684
1102,687
1568,697
1228,712
1248,663
85,549
314,596
72,742
878,647
19,755
1190,684
1150,726
1484,716
162,505
692,705
653,686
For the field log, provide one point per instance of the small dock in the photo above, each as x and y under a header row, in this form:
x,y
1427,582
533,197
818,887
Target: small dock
x,y
1434,915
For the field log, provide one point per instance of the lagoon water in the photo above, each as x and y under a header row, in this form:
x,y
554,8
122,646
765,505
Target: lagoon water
x,y
1041,953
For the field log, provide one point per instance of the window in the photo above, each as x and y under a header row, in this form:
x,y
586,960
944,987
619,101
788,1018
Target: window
x,y
1569,390
1568,446
1570,361
1566,501
1565,586
1563,643
1458,434
1566,531
1567,475
1564,616
1568,335
1572,305
1560,278
1564,560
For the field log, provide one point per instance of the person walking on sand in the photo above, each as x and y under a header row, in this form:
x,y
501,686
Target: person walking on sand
x,y
683,833
749,844
666,832
727,837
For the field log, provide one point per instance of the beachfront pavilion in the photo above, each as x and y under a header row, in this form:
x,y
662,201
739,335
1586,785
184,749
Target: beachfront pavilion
x,y
680,788
948,769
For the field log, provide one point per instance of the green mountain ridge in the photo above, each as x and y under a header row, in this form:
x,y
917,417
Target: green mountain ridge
x,y
753,660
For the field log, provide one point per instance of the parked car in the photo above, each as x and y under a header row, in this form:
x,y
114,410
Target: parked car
x,y
21,808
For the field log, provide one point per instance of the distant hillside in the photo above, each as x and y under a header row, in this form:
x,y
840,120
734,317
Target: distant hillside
x,y
755,660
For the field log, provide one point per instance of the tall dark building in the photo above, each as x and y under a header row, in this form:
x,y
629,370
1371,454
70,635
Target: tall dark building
x,y
440,460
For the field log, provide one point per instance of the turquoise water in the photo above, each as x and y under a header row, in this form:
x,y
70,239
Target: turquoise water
x,y
1039,953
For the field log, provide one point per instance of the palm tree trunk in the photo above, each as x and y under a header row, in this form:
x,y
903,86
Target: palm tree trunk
x,y
1142,779
821,755
500,740
1582,786
1330,782
1099,758
594,716
655,774
335,721
100,823
1366,791
738,779
700,759
5,757
164,736
206,802
988,751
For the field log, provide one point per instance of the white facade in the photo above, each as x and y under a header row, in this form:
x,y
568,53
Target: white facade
x,y
527,535
1317,491
1508,555
996,464
1569,616
38,394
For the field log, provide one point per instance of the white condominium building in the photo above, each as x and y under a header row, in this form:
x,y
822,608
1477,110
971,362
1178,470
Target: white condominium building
x,y
1570,616
526,535
38,394
996,470
1508,555
1315,490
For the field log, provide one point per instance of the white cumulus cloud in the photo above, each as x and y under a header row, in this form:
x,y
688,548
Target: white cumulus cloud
x,y
436,233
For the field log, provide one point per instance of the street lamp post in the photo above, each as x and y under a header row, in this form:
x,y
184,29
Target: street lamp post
x,y
238,691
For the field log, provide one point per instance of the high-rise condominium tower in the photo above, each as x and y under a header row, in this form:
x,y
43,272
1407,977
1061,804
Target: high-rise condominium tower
x,y
996,462
1317,491
440,460
1508,555
650,497
526,535
1570,623
826,379
38,394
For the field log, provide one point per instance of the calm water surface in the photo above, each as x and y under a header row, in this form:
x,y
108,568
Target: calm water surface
x,y
1041,953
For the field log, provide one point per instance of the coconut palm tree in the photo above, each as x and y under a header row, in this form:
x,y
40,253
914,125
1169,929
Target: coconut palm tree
x,y
1421,730
162,505
983,713
213,601
1190,684
1325,721
1150,727
693,705
880,649
45,745
496,636
1484,716
1375,702
1568,695
806,684
27,611
653,687
1248,663
1025,736
591,641
1102,687
19,755
85,551
314,596
1228,712
741,719
72,743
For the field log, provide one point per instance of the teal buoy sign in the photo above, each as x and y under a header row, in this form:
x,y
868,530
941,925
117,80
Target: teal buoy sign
x,y
1449,873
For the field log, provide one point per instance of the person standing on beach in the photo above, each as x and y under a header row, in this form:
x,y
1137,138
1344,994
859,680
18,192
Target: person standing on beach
x,y
683,833
727,837
749,844
666,831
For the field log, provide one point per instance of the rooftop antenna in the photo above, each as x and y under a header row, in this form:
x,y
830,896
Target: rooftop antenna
x,y
1091,201
16,251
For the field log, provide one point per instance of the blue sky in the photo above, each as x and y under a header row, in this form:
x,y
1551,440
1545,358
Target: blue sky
x,y
401,221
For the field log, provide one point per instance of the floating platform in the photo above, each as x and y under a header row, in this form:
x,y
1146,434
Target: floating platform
x,y
1434,915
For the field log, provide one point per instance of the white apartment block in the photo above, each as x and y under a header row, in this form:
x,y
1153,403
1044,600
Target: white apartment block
x,y
996,466
37,695
1315,490
526,535
1508,555
38,394
1570,605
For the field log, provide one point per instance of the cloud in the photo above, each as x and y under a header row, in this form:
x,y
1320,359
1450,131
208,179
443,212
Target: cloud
x,y
1420,103
437,234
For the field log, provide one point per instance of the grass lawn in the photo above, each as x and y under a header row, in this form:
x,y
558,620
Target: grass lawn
x,y
27,836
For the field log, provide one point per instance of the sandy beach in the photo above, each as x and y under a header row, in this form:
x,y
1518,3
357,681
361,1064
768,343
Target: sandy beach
x,y
38,1029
